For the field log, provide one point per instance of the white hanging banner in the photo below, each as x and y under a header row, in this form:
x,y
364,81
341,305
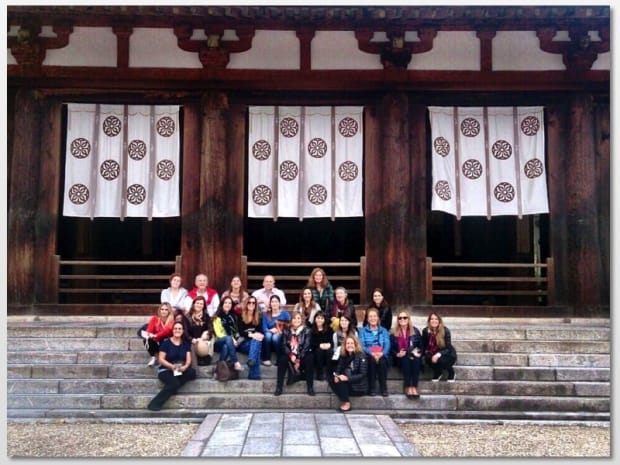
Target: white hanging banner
x,y
122,160
305,162
488,161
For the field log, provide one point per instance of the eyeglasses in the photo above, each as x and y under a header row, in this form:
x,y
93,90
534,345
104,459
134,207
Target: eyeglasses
x,y
403,317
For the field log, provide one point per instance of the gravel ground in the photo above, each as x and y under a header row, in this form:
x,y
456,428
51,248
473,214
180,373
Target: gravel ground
x,y
431,440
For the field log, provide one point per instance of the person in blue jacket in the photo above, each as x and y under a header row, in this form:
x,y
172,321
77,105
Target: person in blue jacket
x,y
375,341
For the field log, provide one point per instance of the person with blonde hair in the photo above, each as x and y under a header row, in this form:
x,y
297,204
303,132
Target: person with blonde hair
x,y
375,341
350,378
322,290
406,347
158,328
439,353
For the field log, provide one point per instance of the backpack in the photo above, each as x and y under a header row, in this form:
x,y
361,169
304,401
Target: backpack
x,y
225,371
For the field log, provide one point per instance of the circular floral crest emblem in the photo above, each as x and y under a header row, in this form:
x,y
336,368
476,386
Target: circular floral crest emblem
x,y
261,195
472,169
501,150
530,125
317,194
137,150
78,194
80,147
288,170
504,192
261,149
442,189
109,170
289,127
317,147
165,170
112,126
348,171
165,126
470,127
533,168
348,127
442,146
136,194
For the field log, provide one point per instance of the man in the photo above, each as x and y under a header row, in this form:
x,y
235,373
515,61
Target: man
x,y
201,288
263,295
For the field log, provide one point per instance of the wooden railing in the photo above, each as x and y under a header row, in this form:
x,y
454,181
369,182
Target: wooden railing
x,y
520,280
93,280
291,277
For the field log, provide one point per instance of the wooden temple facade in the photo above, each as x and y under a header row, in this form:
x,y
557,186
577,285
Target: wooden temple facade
x,y
216,62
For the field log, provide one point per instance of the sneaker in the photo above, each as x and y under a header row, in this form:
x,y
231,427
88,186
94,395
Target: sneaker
x,y
267,363
152,362
452,379
439,378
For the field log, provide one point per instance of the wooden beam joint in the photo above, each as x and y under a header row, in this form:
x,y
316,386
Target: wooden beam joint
x,y
29,48
579,52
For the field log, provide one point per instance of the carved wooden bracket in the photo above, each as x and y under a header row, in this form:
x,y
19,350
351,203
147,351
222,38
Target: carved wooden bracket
x,y
396,52
214,52
29,49
578,53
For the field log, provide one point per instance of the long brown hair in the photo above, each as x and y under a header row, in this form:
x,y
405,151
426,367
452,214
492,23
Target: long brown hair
x,y
440,334
324,281
245,313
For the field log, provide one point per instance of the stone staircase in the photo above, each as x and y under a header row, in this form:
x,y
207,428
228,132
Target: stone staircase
x,y
549,369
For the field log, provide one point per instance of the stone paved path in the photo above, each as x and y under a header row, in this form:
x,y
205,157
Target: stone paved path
x,y
279,434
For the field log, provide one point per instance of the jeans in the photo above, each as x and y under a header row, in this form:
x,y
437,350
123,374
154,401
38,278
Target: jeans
x,y
410,369
252,347
226,348
271,343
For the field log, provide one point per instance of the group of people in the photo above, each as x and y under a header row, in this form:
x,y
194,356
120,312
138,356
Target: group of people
x,y
320,338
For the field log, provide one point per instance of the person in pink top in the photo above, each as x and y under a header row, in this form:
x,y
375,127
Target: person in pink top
x,y
202,288
157,329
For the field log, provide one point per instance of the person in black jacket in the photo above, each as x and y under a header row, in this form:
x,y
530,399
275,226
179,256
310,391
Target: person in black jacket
x,y
439,353
322,343
351,375
385,312
406,348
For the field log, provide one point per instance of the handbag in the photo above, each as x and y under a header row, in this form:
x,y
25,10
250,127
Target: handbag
x,y
225,371
205,347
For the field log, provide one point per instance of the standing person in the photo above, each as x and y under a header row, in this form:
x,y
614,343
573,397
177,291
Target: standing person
x,y
175,360
158,328
385,312
307,305
174,294
406,344
322,290
264,294
202,288
238,293
296,355
375,341
226,329
341,306
350,378
251,331
271,330
345,328
322,343
439,353
199,326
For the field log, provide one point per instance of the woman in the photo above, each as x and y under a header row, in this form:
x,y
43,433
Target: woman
x,y
175,360
307,305
439,353
175,294
322,343
350,378
296,354
375,341
251,331
345,328
158,328
385,312
406,343
198,326
341,306
226,329
273,334
322,290
238,293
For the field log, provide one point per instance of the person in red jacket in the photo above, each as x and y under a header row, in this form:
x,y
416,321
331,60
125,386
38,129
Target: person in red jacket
x,y
157,329
202,288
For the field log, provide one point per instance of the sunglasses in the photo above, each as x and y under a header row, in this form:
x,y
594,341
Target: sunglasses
x,y
251,302
403,317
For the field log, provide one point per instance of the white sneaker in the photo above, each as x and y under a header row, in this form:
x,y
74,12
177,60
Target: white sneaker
x,y
267,363
238,366
439,378
152,362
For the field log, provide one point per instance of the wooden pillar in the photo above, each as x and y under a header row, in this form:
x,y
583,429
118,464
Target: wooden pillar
x,y
419,208
603,172
585,266
557,147
46,221
25,169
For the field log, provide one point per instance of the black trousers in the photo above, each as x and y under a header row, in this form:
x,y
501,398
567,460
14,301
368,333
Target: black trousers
x,y
306,367
445,362
343,389
171,386
377,371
